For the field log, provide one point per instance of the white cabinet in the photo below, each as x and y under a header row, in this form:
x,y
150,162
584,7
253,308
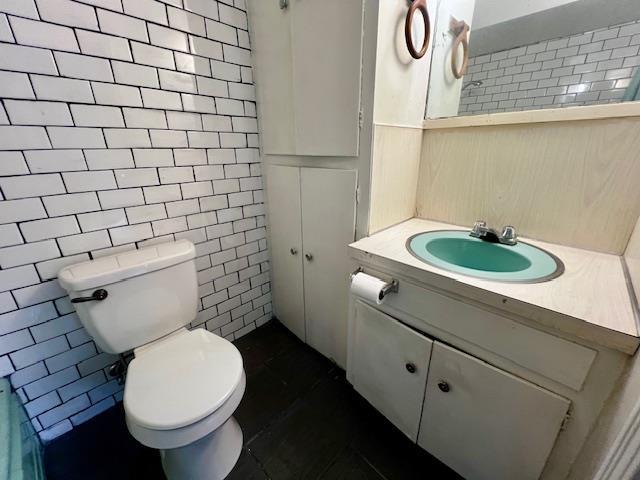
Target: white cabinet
x,y
308,72
388,364
484,423
311,216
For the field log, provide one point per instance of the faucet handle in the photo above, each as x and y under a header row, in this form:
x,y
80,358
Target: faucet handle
x,y
509,235
478,226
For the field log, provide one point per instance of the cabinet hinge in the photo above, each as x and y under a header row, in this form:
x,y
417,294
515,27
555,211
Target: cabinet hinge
x,y
357,195
566,419
360,119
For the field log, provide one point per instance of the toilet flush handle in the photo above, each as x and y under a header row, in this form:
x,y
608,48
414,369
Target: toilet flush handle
x,y
98,295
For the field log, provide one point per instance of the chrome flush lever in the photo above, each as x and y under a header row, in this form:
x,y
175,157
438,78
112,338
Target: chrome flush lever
x,y
98,295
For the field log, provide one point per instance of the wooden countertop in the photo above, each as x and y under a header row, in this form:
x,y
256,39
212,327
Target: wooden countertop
x,y
590,300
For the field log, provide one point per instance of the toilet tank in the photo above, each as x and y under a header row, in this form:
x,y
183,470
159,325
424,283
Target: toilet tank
x,y
151,292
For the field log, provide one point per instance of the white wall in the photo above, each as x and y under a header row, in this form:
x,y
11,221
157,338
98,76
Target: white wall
x,y
490,12
121,124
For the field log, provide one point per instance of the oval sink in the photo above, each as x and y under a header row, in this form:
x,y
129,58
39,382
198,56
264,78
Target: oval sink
x,y
458,252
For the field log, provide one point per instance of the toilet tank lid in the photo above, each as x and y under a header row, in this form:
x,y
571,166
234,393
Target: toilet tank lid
x,y
114,268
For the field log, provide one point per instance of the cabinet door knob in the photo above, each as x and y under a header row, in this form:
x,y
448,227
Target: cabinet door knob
x,y
308,256
411,368
293,251
443,386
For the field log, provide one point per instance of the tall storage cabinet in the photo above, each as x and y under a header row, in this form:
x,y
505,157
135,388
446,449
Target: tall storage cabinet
x,y
311,213
308,60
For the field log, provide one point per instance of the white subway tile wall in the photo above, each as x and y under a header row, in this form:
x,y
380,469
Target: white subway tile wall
x,y
122,123
586,69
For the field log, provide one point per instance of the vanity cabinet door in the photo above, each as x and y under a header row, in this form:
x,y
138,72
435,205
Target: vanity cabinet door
x,y
285,229
484,423
387,365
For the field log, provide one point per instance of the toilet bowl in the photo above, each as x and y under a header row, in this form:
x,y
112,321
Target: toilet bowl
x,y
182,386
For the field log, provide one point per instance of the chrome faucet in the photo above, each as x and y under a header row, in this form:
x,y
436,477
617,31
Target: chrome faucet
x,y
481,231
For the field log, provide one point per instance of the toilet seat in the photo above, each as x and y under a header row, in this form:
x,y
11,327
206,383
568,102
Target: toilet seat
x,y
181,381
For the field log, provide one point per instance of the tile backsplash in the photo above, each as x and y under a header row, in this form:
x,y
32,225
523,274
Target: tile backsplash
x,y
122,123
586,69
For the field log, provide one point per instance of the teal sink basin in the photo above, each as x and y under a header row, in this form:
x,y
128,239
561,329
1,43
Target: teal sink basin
x,y
456,251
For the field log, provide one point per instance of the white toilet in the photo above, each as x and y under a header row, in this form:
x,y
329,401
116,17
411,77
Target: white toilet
x,y
182,386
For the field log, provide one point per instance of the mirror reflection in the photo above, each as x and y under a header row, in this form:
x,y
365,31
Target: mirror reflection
x,y
492,56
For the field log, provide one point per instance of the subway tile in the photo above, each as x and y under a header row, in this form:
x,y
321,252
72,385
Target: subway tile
x,y
36,353
240,56
159,99
221,32
62,89
168,38
109,159
76,137
95,363
102,220
64,411
145,118
10,235
22,8
168,139
46,161
83,67
127,138
69,13
153,157
192,64
138,177
28,375
60,428
92,411
192,156
31,186
164,193
97,116
202,7
26,59
81,385
212,87
196,189
15,85
225,71
176,175
115,5
56,327
5,30
45,35
233,16
203,139
180,82
154,56
132,74
198,103
101,45
23,138
18,277
104,390
12,163
84,242
28,253
216,123
42,292
122,25
46,401
70,204
184,121
171,225
37,113
146,213
186,21
205,47
131,233
89,181
182,207
147,9
21,210
49,269
123,197
37,230
121,95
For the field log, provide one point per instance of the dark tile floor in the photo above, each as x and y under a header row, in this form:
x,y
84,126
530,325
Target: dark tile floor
x,y
300,417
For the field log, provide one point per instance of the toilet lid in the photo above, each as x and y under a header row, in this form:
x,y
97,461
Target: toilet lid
x,y
180,380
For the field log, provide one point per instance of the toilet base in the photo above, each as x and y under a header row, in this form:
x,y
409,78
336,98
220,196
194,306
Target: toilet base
x,y
210,458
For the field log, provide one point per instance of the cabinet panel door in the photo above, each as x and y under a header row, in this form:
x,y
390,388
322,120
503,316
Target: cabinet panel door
x,y
272,56
381,352
327,56
283,210
328,226
489,425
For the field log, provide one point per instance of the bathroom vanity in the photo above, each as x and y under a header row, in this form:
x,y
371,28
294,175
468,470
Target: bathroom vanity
x,y
497,380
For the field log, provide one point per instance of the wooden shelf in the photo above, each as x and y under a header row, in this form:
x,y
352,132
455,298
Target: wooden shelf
x,y
590,112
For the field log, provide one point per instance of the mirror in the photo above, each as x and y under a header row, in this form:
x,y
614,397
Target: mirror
x,y
532,54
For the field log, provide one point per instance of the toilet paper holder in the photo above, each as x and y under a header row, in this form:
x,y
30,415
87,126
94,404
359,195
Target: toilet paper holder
x,y
390,287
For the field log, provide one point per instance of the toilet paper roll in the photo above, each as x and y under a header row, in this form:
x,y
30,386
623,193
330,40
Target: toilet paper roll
x,y
368,287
